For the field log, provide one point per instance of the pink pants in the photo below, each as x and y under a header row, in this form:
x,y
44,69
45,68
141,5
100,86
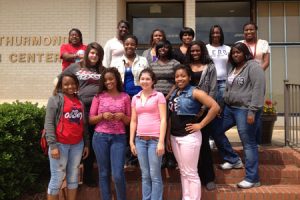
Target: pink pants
x,y
186,151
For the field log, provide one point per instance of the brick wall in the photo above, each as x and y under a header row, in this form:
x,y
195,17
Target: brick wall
x,y
29,56
28,52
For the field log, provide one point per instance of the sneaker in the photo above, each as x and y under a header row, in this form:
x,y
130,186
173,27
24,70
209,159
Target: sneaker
x,y
237,165
211,143
211,186
246,184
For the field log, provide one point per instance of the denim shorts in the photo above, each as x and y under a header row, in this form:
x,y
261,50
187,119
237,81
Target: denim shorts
x,y
66,166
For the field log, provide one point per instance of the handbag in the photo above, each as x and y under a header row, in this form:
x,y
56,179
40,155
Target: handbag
x,y
43,142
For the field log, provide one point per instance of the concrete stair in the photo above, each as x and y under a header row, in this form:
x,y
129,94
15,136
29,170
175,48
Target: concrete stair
x,y
279,172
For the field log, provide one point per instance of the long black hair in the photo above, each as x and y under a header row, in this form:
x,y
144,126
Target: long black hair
x,y
117,75
204,57
221,32
58,87
159,30
166,44
243,48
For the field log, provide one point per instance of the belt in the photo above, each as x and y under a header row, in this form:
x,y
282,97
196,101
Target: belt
x,y
148,138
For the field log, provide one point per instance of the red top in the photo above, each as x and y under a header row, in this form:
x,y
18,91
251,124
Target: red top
x,y
68,48
70,127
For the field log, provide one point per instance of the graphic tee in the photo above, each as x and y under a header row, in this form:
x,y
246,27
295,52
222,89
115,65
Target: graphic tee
x,y
70,127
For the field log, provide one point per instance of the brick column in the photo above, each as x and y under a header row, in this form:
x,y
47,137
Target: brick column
x,y
190,14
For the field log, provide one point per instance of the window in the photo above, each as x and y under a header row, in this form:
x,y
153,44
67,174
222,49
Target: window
x,y
231,16
278,23
145,17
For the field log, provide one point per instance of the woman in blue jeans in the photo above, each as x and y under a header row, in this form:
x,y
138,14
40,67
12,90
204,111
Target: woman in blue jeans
x,y
110,111
147,134
65,127
243,97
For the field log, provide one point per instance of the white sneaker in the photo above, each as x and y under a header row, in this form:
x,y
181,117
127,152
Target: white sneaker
x,y
246,184
211,143
227,165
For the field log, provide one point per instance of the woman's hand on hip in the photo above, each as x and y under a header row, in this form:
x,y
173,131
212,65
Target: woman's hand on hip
x,y
191,128
55,154
160,150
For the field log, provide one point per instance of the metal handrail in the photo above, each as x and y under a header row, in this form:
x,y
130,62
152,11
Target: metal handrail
x,y
292,114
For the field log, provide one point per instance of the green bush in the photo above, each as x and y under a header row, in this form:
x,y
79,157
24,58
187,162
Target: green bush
x,y
21,158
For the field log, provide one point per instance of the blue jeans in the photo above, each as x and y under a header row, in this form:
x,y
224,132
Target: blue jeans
x,y
258,130
110,154
221,141
221,84
150,164
247,132
67,165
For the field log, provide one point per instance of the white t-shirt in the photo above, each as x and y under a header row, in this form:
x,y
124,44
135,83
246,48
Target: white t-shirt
x,y
220,57
231,78
262,47
113,49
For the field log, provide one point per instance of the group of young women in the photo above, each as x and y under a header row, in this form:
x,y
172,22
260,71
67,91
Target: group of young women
x,y
169,97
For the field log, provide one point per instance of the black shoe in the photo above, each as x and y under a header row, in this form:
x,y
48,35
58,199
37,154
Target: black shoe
x,y
132,161
164,162
172,164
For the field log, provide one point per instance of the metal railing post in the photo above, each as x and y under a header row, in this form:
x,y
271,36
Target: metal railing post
x,y
286,113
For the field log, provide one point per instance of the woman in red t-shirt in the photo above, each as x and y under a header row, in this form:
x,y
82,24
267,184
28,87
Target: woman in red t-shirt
x,y
64,125
74,50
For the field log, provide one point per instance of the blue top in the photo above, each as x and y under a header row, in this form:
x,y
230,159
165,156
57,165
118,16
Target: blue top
x,y
129,86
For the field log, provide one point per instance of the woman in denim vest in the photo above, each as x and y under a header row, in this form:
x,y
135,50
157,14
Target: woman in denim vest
x,y
184,130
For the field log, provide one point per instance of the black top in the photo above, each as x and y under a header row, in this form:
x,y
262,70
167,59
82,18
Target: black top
x,y
195,78
178,122
179,56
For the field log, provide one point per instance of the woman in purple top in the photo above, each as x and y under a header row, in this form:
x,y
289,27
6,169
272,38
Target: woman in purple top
x,y
157,35
110,112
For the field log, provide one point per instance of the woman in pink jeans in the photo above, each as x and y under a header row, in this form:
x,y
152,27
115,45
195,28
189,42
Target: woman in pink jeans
x,y
184,130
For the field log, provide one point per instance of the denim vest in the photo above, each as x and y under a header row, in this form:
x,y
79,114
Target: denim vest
x,y
186,104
